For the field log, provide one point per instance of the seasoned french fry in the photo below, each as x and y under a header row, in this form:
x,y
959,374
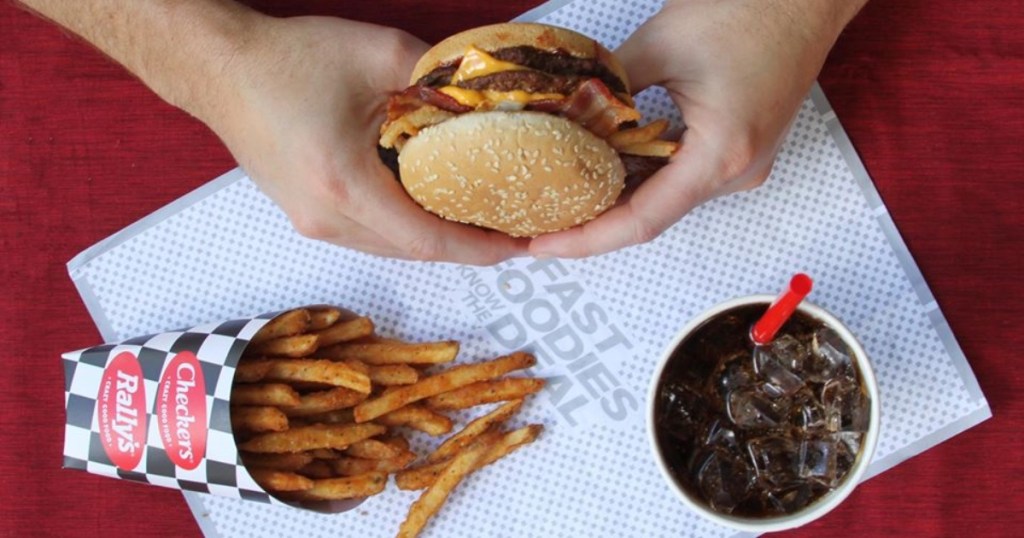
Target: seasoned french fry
x,y
638,135
453,378
419,418
287,324
317,371
395,352
354,466
497,390
258,419
358,366
393,374
372,449
278,394
318,469
397,441
324,453
272,480
472,430
343,331
320,402
311,437
348,487
323,317
434,497
424,476
279,462
300,345
654,148
338,416
251,371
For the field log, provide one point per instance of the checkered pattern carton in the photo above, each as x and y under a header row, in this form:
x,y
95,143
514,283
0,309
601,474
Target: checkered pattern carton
x,y
155,409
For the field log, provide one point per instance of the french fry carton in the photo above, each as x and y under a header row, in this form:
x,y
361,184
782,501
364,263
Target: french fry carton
x,y
155,409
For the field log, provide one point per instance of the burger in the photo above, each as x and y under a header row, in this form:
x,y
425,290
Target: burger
x,y
520,127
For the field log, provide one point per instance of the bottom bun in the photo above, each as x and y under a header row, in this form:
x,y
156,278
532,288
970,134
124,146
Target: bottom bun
x,y
522,173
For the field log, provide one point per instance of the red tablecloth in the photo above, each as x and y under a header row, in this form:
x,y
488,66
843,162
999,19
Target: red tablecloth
x,y
930,92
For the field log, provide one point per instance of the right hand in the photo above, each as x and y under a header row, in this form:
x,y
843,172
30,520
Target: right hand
x,y
300,109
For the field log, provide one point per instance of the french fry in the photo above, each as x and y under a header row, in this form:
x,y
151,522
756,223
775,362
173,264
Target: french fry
x,y
434,497
372,449
354,466
472,430
300,345
395,352
277,394
453,378
349,487
393,374
324,401
311,437
317,371
338,416
287,324
397,441
424,476
272,480
251,371
258,419
323,453
654,148
344,331
278,462
637,135
419,418
482,392
317,469
323,317
358,366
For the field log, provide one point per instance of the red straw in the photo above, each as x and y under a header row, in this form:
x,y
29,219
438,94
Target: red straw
x,y
780,310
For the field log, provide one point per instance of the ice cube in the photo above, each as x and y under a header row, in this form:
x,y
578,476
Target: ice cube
x,y
752,407
788,499
829,357
846,406
817,460
774,459
775,371
724,481
789,351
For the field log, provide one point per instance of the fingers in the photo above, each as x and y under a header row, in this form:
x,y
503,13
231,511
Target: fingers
x,y
382,205
656,205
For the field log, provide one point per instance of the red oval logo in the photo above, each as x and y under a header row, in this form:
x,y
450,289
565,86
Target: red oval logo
x,y
121,404
181,410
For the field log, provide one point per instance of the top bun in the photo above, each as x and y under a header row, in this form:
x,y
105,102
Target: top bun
x,y
514,34
522,173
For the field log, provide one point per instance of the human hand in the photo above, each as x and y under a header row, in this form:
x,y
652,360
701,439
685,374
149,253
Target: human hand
x,y
738,70
304,102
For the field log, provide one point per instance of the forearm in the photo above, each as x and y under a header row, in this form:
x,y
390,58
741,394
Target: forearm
x,y
181,49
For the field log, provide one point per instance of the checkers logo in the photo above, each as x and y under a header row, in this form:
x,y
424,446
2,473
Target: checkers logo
x,y
181,411
122,411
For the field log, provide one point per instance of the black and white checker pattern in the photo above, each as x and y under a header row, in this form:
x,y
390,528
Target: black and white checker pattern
x,y
218,346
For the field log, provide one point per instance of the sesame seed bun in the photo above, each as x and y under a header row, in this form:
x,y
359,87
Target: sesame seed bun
x,y
522,173
512,34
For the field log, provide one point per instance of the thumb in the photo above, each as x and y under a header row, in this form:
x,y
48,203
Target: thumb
x,y
639,57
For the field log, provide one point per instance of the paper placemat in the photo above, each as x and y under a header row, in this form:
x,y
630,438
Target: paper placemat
x,y
597,325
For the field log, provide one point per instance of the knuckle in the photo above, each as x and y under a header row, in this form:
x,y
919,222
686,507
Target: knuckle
x,y
311,226
644,230
425,248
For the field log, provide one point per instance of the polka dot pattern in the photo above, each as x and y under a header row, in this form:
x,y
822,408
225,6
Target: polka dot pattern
x,y
232,253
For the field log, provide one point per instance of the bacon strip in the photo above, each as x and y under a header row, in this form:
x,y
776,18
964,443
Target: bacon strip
x,y
594,106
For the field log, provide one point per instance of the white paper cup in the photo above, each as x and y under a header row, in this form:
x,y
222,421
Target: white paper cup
x,y
819,507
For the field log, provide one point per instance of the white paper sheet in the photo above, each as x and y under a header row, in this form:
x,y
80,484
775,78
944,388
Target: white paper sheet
x,y
597,324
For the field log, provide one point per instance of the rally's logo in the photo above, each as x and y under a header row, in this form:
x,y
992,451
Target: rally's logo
x,y
181,411
122,411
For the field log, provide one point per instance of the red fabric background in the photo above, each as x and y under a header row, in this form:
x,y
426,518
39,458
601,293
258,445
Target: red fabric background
x,y
930,92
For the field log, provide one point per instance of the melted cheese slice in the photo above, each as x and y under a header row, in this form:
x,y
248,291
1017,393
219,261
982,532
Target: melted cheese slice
x,y
477,63
492,98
